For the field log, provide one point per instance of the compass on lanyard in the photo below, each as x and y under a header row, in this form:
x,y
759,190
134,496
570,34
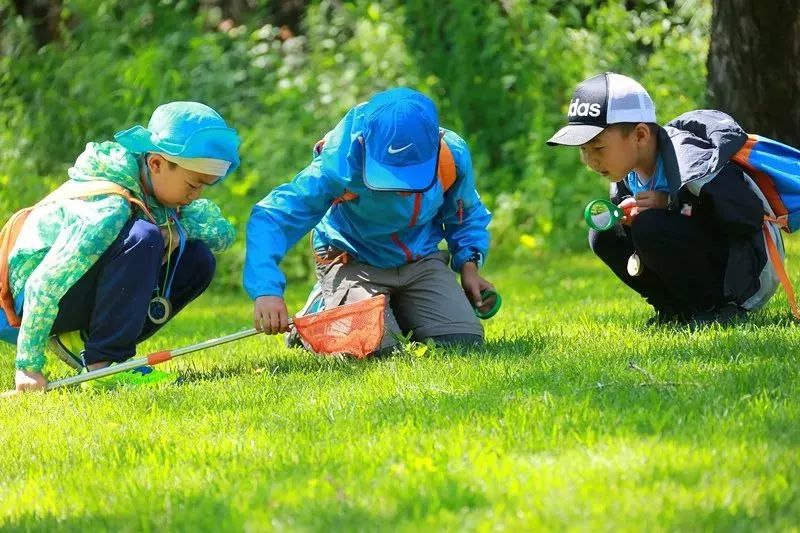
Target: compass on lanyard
x,y
160,308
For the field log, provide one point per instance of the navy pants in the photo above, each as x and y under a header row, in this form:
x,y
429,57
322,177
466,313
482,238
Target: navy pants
x,y
109,303
683,261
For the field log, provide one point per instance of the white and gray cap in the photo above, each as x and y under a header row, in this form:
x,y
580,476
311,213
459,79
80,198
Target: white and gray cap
x,y
600,101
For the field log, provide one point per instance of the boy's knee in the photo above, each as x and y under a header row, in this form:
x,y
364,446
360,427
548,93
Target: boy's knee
x,y
140,241
595,241
602,243
145,234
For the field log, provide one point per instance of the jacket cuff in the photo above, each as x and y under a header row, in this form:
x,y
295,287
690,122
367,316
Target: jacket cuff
x,y
464,255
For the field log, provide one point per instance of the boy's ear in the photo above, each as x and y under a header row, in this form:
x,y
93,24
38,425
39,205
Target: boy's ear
x,y
642,132
154,162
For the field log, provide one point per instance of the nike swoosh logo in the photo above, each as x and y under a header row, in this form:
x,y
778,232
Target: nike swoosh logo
x,y
398,150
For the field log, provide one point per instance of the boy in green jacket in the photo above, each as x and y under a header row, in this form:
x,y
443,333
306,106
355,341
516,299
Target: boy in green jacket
x,y
120,257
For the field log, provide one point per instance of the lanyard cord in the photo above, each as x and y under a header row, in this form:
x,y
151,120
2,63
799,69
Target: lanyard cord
x,y
172,219
169,275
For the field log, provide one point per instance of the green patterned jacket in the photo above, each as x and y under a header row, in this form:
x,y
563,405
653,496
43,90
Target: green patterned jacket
x,y
61,240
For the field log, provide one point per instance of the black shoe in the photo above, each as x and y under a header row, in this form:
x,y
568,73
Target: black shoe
x,y
668,317
726,315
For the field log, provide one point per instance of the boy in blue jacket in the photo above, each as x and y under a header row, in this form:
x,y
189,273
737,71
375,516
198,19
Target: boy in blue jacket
x,y
379,198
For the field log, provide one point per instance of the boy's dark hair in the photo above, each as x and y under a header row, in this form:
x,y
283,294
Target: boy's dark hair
x,y
627,127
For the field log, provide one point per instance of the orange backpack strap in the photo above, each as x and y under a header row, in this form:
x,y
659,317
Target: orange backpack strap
x,y
8,237
12,229
86,189
446,172
777,264
346,197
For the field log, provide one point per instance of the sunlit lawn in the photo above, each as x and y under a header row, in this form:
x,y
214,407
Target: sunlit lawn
x,y
573,416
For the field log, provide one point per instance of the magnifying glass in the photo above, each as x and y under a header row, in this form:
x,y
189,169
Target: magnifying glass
x,y
486,296
602,215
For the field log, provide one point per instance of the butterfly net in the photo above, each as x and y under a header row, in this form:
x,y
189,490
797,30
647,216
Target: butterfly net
x,y
355,329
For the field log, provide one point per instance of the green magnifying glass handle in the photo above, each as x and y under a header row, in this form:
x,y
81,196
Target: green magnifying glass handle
x,y
602,215
498,301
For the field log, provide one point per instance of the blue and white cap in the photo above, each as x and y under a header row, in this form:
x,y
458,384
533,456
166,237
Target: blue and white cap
x,y
190,134
401,139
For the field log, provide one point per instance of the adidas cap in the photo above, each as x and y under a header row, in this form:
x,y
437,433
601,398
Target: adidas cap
x,y
600,101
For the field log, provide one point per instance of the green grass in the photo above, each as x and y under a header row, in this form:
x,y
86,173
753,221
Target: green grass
x,y
574,417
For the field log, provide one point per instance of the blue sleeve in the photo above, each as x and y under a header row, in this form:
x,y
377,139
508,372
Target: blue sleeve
x,y
291,210
280,220
464,216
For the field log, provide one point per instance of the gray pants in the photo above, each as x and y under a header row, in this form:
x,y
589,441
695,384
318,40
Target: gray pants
x,y
423,297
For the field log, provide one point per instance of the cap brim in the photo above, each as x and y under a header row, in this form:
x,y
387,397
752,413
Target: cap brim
x,y
139,140
214,142
575,135
407,178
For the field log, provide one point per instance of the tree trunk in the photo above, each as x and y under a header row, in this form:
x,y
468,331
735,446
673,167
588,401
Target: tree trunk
x,y
43,16
754,65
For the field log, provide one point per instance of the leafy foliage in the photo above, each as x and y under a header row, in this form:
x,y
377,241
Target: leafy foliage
x,y
501,72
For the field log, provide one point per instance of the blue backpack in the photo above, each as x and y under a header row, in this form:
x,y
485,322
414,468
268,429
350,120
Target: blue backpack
x,y
775,169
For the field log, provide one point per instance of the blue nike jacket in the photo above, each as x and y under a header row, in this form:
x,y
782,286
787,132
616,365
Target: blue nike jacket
x,y
379,228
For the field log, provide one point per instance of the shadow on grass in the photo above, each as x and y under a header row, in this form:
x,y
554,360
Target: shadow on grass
x,y
296,360
338,511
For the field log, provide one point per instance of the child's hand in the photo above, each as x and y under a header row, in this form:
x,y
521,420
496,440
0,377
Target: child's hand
x,y
26,380
651,200
628,206
270,315
474,285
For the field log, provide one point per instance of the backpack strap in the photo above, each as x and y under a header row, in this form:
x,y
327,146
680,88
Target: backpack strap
x,y
446,170
72,190
346,197
780,271
8,235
